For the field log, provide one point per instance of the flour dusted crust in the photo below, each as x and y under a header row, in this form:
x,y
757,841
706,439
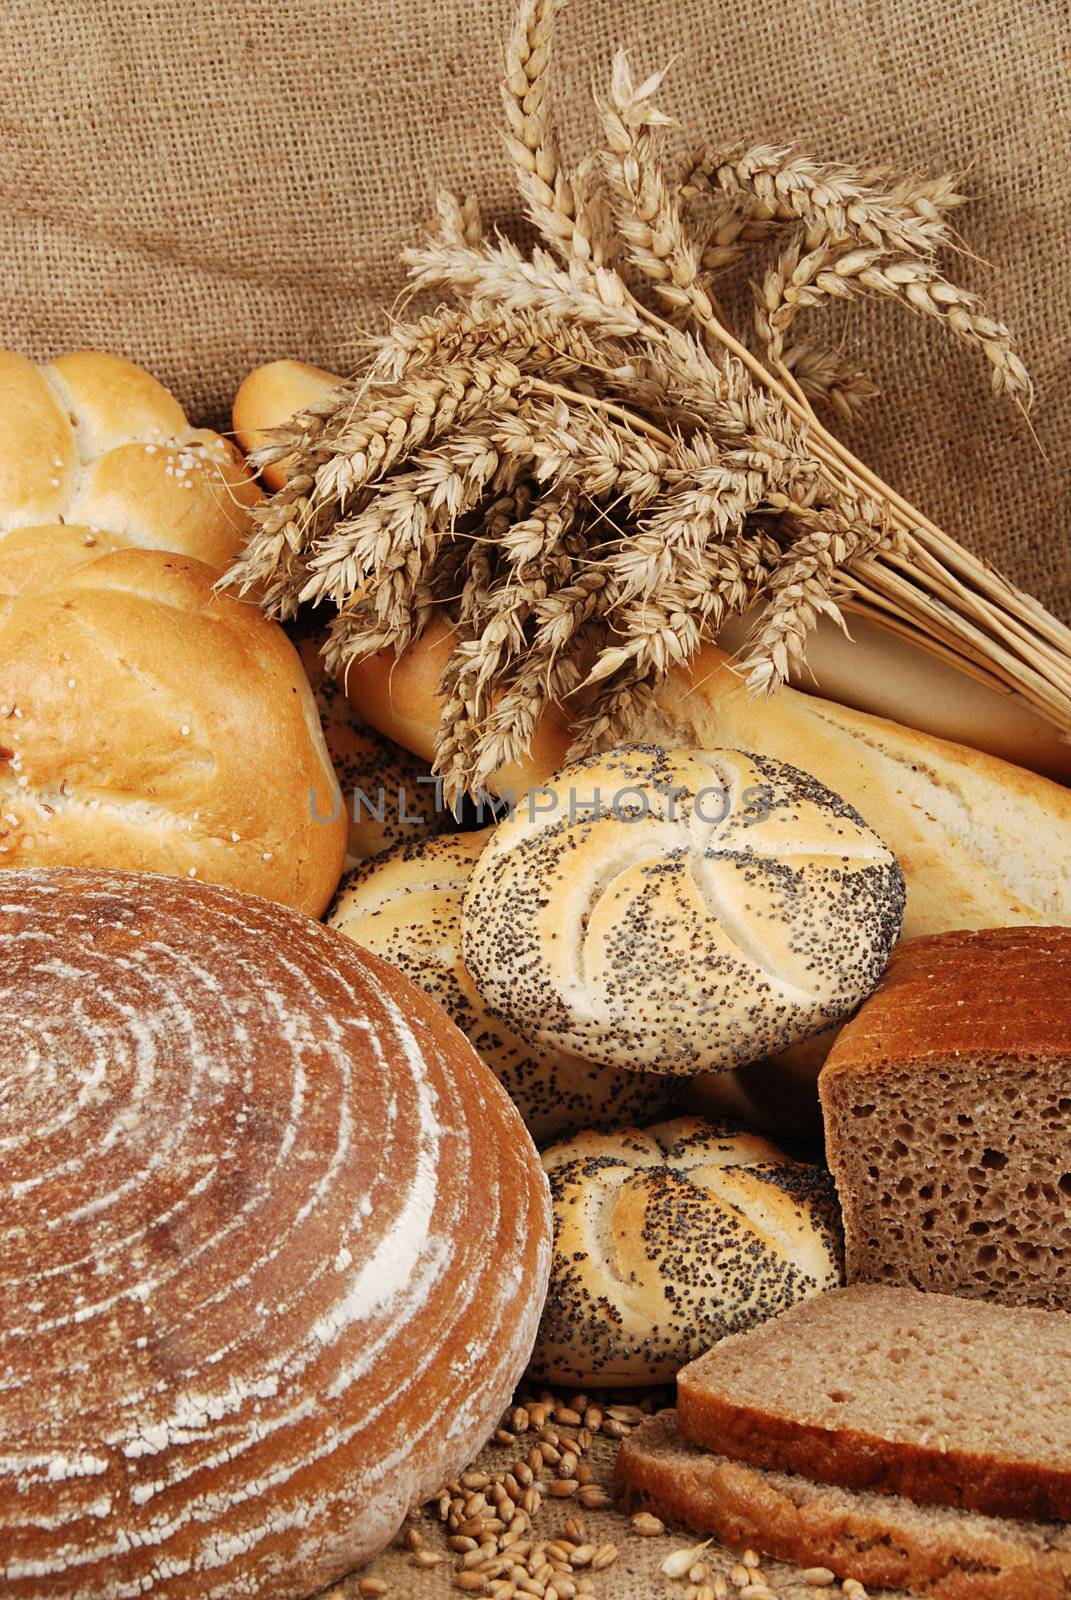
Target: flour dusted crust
x,y
406,906
273,1251
95,455
148,722
669,1238
680,911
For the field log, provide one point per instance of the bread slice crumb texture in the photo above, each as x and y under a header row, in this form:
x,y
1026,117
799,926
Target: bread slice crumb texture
x,y
880,1540
949,1401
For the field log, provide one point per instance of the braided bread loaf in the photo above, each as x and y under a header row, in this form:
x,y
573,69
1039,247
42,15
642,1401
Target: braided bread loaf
x,y
274,1244
668,1238
95,455
406,906
680,911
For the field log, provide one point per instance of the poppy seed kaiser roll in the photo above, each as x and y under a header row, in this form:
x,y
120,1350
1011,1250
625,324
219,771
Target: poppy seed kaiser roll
x,y
274,1244
152,724
406,906
667,1239
680,911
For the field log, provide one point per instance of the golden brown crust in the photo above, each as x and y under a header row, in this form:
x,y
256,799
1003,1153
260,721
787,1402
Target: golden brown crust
x,y
268,397
148,722
982,992
887,1543
274,1244
981,843
95,441
924,1473
388,793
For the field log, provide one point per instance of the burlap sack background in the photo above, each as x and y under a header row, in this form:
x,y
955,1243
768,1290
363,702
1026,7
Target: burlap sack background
x,y
207,184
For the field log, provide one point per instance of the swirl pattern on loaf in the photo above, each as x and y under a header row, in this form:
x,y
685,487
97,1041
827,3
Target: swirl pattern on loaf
x,y
273,1247
680,911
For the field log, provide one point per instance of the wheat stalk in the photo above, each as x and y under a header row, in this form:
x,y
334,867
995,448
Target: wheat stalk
x,y
588,470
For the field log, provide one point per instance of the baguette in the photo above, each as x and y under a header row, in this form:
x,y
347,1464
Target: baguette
x,y
875,670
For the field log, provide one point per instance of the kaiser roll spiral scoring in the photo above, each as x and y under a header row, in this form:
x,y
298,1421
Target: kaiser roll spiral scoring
x,y
670,1237
273,1244
680,911
406,906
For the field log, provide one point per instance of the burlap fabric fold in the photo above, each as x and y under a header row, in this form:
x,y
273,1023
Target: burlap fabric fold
x,y
207,184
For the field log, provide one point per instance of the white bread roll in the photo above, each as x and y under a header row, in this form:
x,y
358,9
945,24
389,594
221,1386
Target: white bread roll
x,y
874,670
406,906
388,793
95,454
680,911
147,722
667,1239
268,397
275,1245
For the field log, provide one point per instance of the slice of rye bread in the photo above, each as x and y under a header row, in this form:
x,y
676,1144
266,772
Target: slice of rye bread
x,y
948,1401
881,1540
947,1105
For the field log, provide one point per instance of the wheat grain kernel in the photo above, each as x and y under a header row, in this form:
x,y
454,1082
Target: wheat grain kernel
x,y
503,1436
721,1588
474,1480
677,1563
372,1587
413,1539
818,1577
574,1529
604,1557
699,1573
471,1582
562,1488
568,1416
750,1558
740,1577
705,1591
647,1525
425,1558
594,1498
461,1542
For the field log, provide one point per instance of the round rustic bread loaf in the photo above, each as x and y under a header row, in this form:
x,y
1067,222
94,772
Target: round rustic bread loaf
x,y
388,794
95,454
273,1252
668,1238
149,723
406,906
680,911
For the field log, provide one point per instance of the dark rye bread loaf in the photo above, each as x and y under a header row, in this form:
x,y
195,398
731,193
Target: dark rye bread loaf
x,y
948,1401
881,1540
947,1105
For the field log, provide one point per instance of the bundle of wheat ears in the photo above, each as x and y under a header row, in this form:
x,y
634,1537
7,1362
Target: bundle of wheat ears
x,y
579,462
